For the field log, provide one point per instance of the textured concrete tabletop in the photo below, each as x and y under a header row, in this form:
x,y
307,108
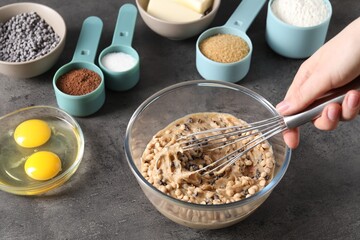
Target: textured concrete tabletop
x,y
318,198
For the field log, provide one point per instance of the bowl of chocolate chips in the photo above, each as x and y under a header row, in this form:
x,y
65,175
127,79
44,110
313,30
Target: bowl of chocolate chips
x,y
183,183
32,38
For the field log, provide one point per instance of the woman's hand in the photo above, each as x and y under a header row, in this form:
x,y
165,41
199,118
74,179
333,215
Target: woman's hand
x,y
335,64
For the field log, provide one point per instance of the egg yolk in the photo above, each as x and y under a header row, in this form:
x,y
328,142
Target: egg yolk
x,y
32,133
43,165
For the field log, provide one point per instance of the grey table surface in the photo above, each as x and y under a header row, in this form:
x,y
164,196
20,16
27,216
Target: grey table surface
x,y
318,198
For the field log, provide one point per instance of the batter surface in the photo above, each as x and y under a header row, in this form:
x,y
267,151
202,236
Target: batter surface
x,y
171,169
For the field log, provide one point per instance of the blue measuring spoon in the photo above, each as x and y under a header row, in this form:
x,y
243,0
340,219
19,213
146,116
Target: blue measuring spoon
x,y
84,56
121,43
237,24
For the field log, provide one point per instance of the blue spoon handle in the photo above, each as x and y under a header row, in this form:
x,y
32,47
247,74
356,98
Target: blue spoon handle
x,y
245,14
125,25
88,41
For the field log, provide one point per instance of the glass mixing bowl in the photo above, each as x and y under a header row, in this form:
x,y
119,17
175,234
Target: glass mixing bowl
x,y
185,98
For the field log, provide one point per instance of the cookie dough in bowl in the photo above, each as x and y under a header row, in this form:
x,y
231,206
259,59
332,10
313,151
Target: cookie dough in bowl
x,y
166,174
172,170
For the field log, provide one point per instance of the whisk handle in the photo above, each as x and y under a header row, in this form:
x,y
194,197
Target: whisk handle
x,y
315,109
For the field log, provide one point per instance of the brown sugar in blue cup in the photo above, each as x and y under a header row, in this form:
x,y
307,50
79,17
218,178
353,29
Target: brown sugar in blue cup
x,y
237,25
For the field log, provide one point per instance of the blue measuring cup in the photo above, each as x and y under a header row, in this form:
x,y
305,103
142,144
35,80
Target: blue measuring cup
x,y
84,55
237,25
294,41
121,43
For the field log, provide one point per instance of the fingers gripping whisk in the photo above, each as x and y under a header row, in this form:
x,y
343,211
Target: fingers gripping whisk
x,y
256,133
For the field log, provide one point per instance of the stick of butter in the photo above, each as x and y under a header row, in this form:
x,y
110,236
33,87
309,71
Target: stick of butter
x,y
199,6
170,10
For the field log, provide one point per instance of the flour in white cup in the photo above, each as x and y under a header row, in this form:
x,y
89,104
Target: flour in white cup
x,y
301,13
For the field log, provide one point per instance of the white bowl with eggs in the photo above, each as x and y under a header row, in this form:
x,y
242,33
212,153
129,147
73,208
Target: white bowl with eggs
x,y
177,30
41,147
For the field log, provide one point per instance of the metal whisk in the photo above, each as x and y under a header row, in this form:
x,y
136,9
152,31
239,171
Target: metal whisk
x,y
258,131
